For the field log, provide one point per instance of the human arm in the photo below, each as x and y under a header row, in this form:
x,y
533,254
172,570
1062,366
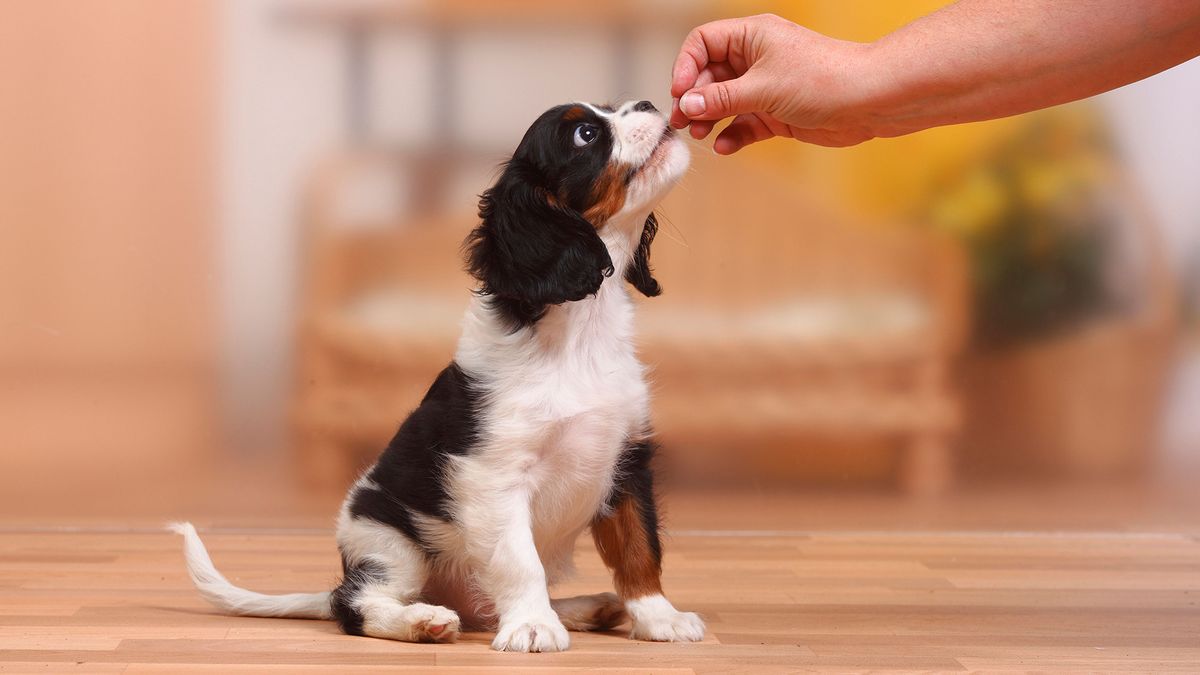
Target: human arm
x,y
970,61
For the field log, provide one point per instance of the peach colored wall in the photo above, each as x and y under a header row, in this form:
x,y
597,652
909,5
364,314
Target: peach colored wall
x,y
107,280
106,185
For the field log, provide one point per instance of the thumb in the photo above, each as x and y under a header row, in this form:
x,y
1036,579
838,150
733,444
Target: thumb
x,y
722,99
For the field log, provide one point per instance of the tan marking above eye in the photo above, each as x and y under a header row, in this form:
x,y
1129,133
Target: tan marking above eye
x,y
574,113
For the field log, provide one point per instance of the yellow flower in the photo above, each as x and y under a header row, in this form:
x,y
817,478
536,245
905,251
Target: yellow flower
x,y
975,206
1043,184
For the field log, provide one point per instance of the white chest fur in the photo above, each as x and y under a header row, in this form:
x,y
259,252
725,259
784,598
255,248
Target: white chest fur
x,y
564,398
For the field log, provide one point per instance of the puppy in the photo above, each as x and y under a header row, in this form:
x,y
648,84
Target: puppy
x,y
538,429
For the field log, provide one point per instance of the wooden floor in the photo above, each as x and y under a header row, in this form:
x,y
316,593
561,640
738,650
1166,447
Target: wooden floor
x,y
117,600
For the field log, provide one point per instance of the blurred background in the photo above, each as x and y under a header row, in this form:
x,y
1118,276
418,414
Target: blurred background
x,y
229,266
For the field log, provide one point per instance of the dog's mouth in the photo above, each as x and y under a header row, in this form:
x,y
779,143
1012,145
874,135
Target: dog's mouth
x,y
657,154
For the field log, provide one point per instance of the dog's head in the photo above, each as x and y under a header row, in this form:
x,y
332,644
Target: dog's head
x,y
583,174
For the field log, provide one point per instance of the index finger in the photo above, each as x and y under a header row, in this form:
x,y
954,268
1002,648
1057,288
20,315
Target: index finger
x,y
704,44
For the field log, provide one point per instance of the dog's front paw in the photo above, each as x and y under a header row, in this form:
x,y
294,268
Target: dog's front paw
x,y
532,634
654,618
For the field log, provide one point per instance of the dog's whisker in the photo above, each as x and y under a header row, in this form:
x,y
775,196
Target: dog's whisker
x,y
673,229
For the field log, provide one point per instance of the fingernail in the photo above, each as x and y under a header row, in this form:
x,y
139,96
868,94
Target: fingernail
x,y
692,104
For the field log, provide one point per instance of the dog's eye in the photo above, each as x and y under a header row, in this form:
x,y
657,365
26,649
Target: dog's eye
x,y
585,134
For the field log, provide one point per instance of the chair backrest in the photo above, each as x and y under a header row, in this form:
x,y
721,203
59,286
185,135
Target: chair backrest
x,y
731,238
738,238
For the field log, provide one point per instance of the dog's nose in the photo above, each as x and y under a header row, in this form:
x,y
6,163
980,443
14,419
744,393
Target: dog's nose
x,y
644,106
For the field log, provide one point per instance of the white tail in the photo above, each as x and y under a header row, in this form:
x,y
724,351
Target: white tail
x,y
225,596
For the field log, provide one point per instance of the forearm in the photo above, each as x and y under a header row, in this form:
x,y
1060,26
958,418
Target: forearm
x,y
983,59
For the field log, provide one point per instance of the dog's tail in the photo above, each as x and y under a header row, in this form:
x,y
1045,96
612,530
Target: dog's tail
x,y
229,598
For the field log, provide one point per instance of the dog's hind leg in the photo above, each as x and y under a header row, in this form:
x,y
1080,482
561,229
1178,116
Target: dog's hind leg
x,y
383,574
626,535
589,612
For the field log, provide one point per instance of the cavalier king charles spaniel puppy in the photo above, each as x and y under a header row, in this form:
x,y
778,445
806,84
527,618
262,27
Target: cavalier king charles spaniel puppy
x,y
539,428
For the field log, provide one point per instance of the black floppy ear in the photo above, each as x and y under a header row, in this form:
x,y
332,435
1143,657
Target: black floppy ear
x,y
529,252
639,273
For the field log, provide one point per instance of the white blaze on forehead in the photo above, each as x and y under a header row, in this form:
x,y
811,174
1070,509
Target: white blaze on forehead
x,y
599,111
635,133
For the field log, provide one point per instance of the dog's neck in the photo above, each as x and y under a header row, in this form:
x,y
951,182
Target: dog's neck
x,y
584,328
621,236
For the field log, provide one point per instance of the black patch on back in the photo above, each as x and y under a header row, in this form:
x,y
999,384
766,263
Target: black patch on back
x,y
410,474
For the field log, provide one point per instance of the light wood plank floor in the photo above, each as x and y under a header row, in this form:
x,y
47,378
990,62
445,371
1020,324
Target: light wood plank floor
x,y
118,601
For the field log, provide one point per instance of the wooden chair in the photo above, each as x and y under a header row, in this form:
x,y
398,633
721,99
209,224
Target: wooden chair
x,y
378,318
782,317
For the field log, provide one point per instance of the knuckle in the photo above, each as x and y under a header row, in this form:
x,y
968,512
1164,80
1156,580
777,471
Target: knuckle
x,y
723,97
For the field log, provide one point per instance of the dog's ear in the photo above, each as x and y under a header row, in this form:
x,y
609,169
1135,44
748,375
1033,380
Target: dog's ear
x,y
639,273
530,252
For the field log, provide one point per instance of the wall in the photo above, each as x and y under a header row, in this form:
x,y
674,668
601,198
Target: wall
x,y
106,244
1156,125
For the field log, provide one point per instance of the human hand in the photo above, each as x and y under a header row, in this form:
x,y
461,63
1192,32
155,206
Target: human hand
x,y
774,78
